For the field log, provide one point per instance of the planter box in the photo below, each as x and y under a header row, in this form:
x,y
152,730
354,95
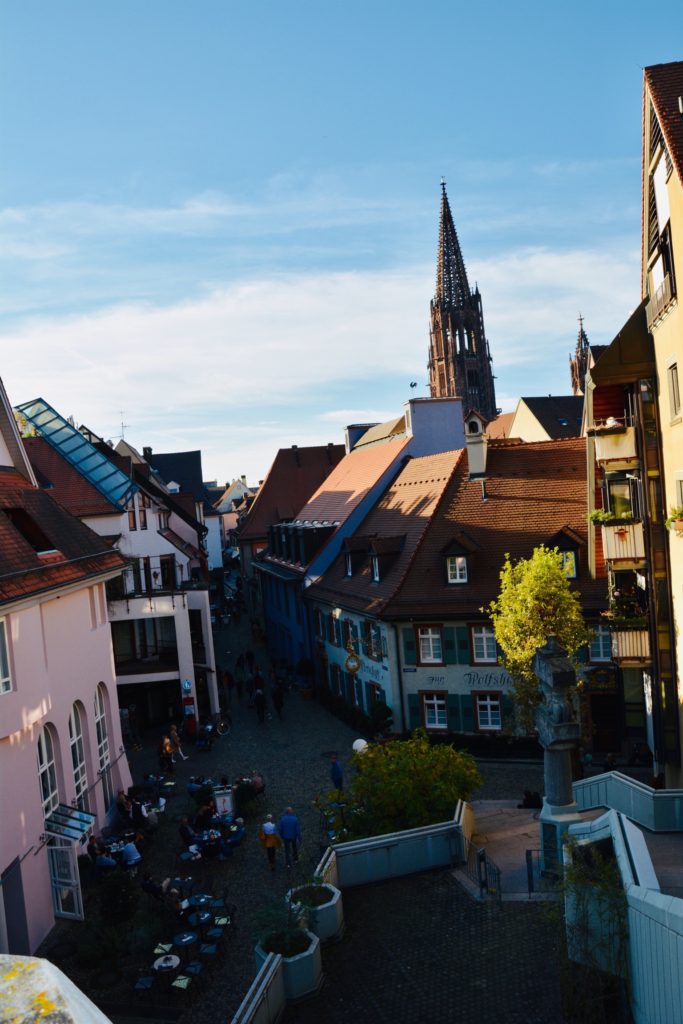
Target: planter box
x,y
327,920
623,542
303,973
618,445
631,645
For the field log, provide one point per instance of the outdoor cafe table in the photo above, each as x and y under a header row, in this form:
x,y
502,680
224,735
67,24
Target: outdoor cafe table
x,y
200,918
200,899
185,939
166,963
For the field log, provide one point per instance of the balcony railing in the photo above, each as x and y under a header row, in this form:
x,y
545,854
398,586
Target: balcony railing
x,y
615,444
631,644
623,542
658,302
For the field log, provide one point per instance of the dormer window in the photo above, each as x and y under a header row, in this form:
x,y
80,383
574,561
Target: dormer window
x,y
456,566
569,564
374,563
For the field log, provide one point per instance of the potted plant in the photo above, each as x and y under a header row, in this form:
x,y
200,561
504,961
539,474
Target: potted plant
x,y
675,519
603,517
281,928
322,904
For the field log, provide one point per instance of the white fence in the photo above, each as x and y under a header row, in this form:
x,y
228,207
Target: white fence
x,y
659,810
265,1000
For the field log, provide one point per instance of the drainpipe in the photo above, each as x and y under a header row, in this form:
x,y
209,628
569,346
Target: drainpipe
x,y
400,680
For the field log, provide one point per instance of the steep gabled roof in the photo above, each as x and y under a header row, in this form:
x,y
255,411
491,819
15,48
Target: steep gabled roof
x,y
183,468
296,473
66,485
665,83
500,427
394,528
530,493
558,415
42,546
349,482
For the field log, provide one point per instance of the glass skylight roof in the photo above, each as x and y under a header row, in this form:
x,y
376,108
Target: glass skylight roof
x,y
76,449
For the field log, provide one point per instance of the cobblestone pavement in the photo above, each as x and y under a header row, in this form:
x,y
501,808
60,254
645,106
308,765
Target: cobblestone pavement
x,y
418,949
456,954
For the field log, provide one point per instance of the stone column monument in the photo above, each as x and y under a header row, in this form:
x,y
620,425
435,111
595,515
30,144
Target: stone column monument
x,y
558,733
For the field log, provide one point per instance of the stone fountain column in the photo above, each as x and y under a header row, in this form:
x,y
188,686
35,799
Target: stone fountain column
x,y
558,734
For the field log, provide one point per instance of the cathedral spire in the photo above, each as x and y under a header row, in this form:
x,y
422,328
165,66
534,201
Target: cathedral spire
x,y
459,359
578,363
452,288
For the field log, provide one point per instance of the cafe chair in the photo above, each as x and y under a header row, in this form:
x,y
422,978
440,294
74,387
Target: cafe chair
x,y
214,934
208,950
194,969
182,983
163,949
220,902
144,984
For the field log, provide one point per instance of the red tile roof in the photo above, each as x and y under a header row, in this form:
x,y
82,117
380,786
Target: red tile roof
x,y
76,553
293,477
532,491
403,512
66,484
349,482
665,82
500,427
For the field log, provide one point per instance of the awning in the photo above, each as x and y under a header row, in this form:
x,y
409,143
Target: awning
x,y
69,823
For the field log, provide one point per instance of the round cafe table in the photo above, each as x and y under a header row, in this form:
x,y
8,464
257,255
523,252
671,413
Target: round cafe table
x,y
166,963
201,899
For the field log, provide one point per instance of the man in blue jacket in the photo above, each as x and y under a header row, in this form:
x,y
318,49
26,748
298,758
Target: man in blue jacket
x,y
290,833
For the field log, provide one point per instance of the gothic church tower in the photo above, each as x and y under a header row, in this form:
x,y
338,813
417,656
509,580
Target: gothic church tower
x,y
459,359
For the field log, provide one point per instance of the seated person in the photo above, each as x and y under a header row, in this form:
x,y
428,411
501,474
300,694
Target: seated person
x,y
92,849
187,833
235,837
195,784
211,848
174,901
153,888
104,861
204,817
130,855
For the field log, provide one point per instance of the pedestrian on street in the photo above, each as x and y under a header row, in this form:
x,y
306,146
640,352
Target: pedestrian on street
x,y
260,705
175,740
270,839
290,832
337,773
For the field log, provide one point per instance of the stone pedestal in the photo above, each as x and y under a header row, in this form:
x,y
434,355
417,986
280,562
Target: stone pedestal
x,y
558,734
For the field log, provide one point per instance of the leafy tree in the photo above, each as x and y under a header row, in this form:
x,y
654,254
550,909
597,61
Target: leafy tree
x,y
535,601
405,784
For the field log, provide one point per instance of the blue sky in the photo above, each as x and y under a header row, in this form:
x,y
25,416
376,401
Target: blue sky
x,y
219,220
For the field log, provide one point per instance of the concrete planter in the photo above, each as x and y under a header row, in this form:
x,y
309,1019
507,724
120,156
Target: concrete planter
x,y
326,920
303,973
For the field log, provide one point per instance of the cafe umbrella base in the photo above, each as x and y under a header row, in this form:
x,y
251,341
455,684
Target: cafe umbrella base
x,y
302,973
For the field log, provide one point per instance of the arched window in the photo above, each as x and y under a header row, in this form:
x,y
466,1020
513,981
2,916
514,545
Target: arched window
x,y
104,766
47,772
78,758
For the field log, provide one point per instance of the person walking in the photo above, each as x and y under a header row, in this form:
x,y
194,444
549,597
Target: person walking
x,y
337,773
260,705
290,833
270,840
175,740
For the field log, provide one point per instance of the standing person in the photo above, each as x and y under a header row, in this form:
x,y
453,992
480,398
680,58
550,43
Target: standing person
x,y
336,773
290,832
270,840
166,754
260,705
175,740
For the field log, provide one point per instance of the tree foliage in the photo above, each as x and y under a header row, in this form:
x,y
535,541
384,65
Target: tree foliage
x,y
406,784
535,601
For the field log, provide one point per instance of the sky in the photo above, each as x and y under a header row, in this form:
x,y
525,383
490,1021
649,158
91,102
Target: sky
x,y
219,220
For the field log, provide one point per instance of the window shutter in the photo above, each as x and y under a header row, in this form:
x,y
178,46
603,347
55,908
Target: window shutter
x,y
365,638
466,712
359,694
369,695
453,707
409,652
462,634
414,715
449,650
381,695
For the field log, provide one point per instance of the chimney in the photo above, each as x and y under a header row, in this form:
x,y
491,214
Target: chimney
x,y
147,453
244,480
476,449
297,457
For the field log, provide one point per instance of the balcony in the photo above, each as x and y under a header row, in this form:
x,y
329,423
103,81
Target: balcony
x,y
164,660
659,302
623,542
631,644
615,444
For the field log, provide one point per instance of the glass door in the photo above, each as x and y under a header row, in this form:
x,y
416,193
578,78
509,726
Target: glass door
x,y
66,884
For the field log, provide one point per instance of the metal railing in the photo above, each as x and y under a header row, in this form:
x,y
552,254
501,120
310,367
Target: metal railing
x,y
481,870
538,879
